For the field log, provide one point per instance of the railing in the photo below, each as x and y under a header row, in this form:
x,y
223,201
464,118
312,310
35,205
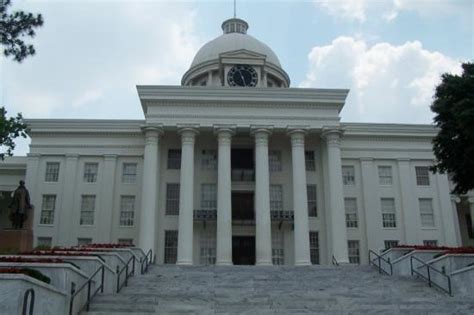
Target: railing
x,y
146,262
205,215
87,284
242,175
282,215
428,277
127,274
379,260
334,261
25,302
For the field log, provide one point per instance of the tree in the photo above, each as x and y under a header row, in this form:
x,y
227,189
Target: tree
x,y
13,27
454,145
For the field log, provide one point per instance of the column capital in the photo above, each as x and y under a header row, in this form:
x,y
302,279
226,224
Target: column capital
x,y
188,134
224,132
332,135
152,133
297,137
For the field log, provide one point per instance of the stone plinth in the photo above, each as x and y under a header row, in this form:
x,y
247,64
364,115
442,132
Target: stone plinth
x,y
11,239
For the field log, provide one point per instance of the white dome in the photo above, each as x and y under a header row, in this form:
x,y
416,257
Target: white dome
x,y
232,42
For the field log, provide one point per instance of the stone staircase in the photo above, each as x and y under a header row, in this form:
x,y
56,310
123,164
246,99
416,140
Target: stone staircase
x,y
276,290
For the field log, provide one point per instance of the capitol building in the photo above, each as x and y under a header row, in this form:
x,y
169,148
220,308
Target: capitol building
x,y
236,167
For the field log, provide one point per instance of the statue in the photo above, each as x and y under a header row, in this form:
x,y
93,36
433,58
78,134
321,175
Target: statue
x,y
20,203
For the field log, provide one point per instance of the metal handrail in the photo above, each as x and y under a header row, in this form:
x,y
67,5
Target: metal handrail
x,y
379,265
146,261
127,274
88,283
25,302
334,261
428,276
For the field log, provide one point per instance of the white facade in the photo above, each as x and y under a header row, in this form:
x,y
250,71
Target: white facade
x,y
184,180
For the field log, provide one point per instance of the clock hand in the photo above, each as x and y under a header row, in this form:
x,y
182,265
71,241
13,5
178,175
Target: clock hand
x,y
242,77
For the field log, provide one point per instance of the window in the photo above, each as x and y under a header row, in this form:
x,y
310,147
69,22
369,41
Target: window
x,y
312,201
310,160
172,199
274,160
174,159
470,230
276,197
127,210
44,242
389,219
87,209
84,241
52,172
422,175
348,177
129,173
430,243
278,254
208,160
390,243
125,241
353,248
350,205
385,175
426,212
314,247
208,247
47,209
208,196
90,172
171,247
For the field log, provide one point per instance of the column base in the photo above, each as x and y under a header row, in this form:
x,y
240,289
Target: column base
x,y
184,263
224,263
264,263
303,263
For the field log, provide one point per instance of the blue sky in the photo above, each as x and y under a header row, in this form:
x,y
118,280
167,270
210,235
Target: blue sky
x,y
91,54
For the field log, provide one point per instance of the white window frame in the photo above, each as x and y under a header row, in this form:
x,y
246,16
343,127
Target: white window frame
x,y
45,241
310,160
350,207
274,161
427,217
87,217
209,160
127,210
171,247
390,243
385,175
389,214
174,159
208,197
51,174
278,248
81,241
314,248
129,173
208,247
422,175
353,248
348,175
431,243
125,241
312,196
91,172
276,197
47,209
172,202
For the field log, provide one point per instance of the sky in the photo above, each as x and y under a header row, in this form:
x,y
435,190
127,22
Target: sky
x,y
92,54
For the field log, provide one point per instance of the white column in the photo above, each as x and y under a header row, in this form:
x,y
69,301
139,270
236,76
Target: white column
x,y
449,219
410,215
224,195
186,197
454,201
65,223
263,236
32,180
300,199
371,202
106,199
336,195
149,189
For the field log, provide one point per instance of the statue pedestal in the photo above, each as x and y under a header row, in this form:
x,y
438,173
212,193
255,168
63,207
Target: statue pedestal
x,y
21,240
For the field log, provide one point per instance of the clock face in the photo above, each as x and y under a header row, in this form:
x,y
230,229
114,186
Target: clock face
x,y
242,75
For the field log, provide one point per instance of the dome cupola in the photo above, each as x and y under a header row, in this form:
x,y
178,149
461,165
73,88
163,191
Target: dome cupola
x,y
236,59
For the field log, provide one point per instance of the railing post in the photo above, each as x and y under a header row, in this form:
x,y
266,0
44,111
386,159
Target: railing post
x,y
88,294
118,278
380,264
102,277
71,301
411,265
126,274
429,277
449,285
133,266
25,302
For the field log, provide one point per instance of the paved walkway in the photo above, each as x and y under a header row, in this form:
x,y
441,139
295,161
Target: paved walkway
x,y
276,290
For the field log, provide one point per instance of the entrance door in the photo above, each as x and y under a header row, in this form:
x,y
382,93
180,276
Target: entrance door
x,y
243,250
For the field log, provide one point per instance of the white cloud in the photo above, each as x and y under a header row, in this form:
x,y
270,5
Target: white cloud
x,y
388,83
389,10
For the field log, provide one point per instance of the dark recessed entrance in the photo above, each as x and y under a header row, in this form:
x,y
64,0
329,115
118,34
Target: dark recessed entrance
x,y
243,250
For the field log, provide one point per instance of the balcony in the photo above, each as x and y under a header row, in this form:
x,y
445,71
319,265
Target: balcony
x,y
243,175
205,215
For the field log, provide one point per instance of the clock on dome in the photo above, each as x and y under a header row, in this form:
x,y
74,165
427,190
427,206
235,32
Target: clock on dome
x,y
242,75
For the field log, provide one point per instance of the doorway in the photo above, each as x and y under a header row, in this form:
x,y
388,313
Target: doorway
x,y
243,250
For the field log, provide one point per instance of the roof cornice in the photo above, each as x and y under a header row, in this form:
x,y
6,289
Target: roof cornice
x,y
378,129
84,126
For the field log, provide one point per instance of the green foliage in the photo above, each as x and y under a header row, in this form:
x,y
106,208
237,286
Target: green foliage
x,y
10,128
13,27
36,274
454,145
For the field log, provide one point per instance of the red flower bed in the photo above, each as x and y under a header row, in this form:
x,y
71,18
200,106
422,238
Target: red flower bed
x,y
107,245
19,259
446,250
